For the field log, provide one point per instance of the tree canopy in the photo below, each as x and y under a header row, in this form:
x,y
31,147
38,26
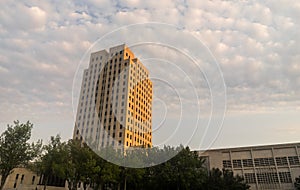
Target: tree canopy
x,y
224,179
15,150
183,171
75,162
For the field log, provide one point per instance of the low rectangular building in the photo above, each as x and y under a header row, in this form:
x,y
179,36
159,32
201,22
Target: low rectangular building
x,y
25,179
263,167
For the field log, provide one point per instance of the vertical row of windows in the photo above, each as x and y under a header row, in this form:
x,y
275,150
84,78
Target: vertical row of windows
x,y
139,106
86,115
112,99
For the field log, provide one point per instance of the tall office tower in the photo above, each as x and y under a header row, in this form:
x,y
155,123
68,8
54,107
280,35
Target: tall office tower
x,y
115,104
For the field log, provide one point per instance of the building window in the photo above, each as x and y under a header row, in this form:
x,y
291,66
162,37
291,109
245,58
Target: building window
x,y
247,162
264,162
237,163
226,163
281,161
285,177
293,160
33,179
22,178
267,178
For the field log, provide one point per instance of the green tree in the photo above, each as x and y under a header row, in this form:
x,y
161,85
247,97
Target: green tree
x,y
54,161
184,171
189,171
225,179
108,174
297,183
15,150
72,161
132,178
83,164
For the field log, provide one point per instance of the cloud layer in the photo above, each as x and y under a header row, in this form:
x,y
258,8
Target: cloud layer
x,y
255,43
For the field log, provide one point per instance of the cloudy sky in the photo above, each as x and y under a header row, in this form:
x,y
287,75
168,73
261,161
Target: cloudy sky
x,y
234,65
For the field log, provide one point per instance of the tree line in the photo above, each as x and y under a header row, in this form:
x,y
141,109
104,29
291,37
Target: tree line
x,y
76,163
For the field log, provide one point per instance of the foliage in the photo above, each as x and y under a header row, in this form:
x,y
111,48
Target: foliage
x,y
297,183
184,171
15,150
72,161
83,164
225,179
75,162
108,173
54,161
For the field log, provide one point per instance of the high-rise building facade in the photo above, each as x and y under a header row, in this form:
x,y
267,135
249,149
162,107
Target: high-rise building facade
x,y
115,103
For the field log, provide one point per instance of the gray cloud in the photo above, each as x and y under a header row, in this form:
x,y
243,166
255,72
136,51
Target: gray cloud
x,y
256,45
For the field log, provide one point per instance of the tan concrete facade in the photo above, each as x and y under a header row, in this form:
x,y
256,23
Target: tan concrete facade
x,y
263,167
115,105
24,179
